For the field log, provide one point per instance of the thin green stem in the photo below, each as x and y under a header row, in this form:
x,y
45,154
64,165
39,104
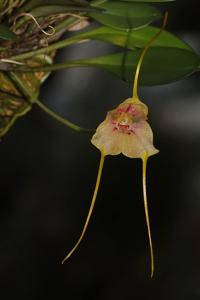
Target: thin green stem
x,y
60,119
45,68
33,98
67,22
137,73
45,50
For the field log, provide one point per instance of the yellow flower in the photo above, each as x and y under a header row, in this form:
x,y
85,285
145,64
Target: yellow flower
x,y
126,130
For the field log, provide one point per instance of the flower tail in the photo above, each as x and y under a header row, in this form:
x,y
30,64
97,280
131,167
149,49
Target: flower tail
x,y
144,167
91,208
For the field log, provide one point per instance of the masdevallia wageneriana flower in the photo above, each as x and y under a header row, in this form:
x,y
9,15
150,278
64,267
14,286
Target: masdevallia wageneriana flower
x,y
126,130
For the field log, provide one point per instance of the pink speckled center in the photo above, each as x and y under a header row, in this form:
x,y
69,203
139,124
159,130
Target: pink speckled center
x,y
126,118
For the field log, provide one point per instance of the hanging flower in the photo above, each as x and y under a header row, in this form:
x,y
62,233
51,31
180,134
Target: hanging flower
x,y
126,130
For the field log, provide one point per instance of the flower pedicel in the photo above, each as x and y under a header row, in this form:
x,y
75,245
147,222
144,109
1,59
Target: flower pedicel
x,y
126,130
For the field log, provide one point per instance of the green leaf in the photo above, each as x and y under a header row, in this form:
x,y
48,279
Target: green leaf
x,y
125,15
160,66
6,33
96,2
134,39
47,10
37,3
152,1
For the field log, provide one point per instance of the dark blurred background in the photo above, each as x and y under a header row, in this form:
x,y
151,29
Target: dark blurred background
x,y
48,174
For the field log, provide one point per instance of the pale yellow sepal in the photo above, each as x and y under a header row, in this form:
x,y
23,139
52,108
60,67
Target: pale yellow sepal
x,y
126,130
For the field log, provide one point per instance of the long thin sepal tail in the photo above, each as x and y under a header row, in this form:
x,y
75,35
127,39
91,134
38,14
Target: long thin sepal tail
x,y
90,209
144,168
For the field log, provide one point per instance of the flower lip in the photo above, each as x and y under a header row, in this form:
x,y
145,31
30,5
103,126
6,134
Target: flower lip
x,y
127,116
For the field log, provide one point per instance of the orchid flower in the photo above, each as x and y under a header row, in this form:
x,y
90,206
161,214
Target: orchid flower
x,y
126,130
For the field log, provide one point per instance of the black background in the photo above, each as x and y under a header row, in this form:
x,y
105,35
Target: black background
x,y
48,174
